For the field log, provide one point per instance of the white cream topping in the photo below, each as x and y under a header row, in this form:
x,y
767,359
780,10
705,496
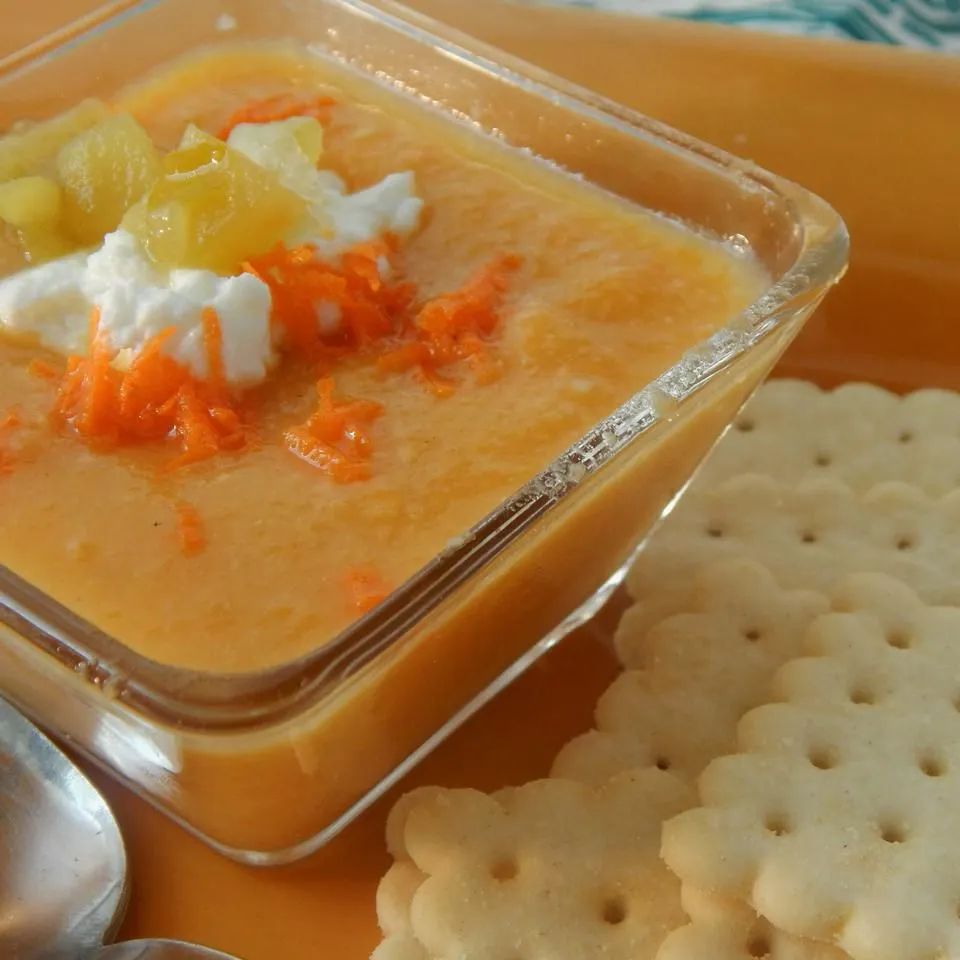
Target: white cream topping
x,y
137,301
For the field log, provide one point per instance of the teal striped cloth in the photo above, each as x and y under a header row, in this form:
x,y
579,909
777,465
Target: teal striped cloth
x,y
932,24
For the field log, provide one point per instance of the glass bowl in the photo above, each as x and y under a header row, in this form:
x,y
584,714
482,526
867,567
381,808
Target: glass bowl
x,y
268,766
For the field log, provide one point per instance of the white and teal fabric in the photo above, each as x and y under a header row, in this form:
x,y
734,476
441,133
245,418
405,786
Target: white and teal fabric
x,y
934,24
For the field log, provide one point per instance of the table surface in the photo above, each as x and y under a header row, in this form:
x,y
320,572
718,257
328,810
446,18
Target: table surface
x,y
871,129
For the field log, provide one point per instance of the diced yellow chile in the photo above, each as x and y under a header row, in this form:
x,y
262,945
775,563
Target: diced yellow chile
x,y
104,171
213,208
305,134
34,148
273,142
192,136
32,206
290,148
41,243
30,201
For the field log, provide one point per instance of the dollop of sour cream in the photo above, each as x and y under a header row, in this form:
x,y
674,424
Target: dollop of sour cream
x,y
51,302
137,301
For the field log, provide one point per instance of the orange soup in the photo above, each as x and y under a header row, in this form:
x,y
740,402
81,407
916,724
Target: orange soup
x,y
255,556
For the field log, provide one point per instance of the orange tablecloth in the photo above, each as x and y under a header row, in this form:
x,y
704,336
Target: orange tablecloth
x,y
873,130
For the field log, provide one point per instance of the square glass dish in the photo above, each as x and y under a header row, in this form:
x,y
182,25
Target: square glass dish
x,y
267,765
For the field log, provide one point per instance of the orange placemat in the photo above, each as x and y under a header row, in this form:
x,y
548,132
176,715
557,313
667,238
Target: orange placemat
x,y
873,130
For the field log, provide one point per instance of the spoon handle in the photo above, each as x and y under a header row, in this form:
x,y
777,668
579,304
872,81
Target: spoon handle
x,y
158,950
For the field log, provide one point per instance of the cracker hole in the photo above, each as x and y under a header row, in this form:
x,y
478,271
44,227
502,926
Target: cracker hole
x,y
715,531
777,824
663,763
905,542
758,946
892,833
822,460
931,766
614,911
906,436
745,426
753,634
808,536
862,696
504,869
823,758
899,640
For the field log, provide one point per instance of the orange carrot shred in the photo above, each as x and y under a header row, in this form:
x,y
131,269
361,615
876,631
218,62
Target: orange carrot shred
x,y
453,327
317,306
8,423
93,326
11,419
437,384
365,587
335,437
98,394
190,530
156,398
195,427
279,107
42,370
146,388
213,348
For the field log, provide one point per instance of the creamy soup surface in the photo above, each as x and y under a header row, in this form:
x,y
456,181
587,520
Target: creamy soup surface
x,y
605,298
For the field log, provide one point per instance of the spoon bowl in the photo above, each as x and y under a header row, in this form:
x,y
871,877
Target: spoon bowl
x,y
159,950
62,862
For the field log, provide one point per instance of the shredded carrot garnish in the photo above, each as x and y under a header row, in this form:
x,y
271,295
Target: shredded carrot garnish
x,y
473,308
365,587
190,530
278,107
94,413
11,419
335,438
456,326
213,349
8,423
42,370
155,398
306,292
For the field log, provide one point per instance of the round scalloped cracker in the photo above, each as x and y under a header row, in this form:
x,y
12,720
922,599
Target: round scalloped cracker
x,y
809,536
858,433
727,930
839,820
700,672
552,868
397,818
399,947
394,897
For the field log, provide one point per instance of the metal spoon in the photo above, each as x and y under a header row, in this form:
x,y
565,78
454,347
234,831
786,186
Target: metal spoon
x,y
62,863
159,950
63,869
